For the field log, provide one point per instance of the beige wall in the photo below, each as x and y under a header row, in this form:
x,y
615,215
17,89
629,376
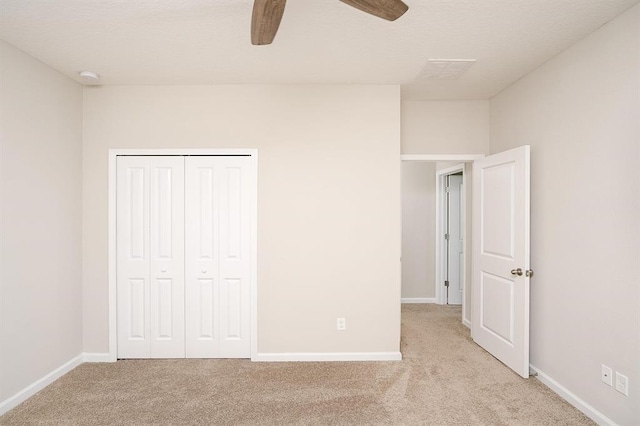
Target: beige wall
x,y
328,200
41,174
418,229
445,127
580,113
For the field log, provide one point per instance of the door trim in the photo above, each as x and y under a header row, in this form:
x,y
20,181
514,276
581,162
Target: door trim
x,y
113,154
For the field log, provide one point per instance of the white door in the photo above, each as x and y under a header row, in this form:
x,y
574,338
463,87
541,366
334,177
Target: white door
x,y
454,241
501,257
150,257
218,257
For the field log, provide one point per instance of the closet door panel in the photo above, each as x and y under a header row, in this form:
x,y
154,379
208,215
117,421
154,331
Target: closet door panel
x,y
132,241
201,258
204,311
218,257
235,252
150,256
167,257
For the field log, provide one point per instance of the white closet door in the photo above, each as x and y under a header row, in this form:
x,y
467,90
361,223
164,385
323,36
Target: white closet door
x,y
150,259
217,248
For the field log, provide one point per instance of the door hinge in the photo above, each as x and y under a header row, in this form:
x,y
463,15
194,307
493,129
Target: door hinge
x,y
446,237
446,283
446,189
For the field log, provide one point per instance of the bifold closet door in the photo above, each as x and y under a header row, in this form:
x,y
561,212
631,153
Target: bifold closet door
x,y
217,250
150,257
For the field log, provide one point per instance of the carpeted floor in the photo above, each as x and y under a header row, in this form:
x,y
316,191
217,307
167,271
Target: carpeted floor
x,y
444,379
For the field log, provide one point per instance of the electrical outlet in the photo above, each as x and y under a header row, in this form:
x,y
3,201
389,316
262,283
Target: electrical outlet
x,y
342,324
607,375
622,384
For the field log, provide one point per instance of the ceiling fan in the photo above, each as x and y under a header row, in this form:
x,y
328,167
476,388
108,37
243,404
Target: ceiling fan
x,y
267,15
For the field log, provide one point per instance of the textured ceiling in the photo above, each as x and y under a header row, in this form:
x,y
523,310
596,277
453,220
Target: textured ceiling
x,y
320,41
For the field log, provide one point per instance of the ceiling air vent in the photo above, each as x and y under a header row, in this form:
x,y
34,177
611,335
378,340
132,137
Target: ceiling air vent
x,y
445,69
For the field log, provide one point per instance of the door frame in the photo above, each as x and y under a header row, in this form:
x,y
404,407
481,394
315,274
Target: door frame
x,y
113,154
441,245
461,158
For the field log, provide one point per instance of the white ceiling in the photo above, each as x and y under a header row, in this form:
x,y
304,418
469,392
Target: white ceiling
x,y
320,41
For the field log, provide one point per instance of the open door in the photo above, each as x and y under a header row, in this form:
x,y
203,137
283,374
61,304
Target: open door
x,y
501,257
454,241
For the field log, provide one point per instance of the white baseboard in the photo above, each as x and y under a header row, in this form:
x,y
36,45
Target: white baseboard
x,y
572,398
96,357
39,384
418,300
327,356
466,323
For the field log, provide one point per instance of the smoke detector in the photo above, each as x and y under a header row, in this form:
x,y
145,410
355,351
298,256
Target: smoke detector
x,y
89,77
445,69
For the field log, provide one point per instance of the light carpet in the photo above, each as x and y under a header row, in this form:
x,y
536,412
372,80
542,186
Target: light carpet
x,y
444,379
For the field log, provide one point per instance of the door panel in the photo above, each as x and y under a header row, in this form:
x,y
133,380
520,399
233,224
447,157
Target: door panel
x,y
150,260
133,261
501,245
497,306
498,184
135,309
230,205
235,257
205,313
218,257
204,194
165,308
138,214
455,252
231,297
202,257
167,257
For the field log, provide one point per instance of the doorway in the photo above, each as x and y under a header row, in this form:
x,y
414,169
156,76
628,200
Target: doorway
x,y
423,223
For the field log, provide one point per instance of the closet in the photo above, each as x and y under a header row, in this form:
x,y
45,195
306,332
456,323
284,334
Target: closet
x,y
183,245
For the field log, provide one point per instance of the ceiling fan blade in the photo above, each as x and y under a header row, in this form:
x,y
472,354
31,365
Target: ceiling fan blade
x,y
265,20
385,9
